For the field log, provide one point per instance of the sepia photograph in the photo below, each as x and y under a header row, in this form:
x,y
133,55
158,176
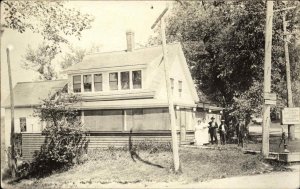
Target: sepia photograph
x,y
150,94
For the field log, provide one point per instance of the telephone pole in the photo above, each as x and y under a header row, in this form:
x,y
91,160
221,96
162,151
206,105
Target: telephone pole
x,y
267,78
169,90
291,128
12,160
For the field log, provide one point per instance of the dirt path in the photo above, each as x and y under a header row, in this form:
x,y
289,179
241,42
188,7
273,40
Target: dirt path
x,y
275,180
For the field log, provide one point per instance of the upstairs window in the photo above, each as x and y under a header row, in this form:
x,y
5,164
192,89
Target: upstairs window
x,y
77,84
124,80
87,83
23,127
137,79
180,88
98,82
113,81
172,84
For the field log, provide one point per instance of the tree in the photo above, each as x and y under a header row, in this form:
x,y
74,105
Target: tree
x,y
65,141
40,60
51,19
224,45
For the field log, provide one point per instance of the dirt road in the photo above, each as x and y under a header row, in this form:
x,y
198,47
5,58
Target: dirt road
x,y
275,180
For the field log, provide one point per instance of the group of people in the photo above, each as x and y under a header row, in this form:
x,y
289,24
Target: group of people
x,y
207,132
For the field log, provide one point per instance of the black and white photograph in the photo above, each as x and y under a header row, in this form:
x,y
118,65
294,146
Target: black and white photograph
x,y
150,94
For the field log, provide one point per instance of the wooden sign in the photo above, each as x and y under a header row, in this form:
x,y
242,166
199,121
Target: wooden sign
x,y
270,102
290,116
270,96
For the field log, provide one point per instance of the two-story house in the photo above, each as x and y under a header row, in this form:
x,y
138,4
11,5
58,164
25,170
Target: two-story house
x,y
121,91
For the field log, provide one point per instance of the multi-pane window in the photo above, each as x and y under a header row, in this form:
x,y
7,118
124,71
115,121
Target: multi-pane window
x,y
124,80
87,83
98,82
23,127
180,88
77,83
137,79
113,81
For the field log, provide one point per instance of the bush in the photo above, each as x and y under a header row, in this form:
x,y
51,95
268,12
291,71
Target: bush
x,y
65,141
152,146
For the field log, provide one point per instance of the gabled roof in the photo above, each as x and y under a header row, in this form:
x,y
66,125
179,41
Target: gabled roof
x,y
31,93
142,56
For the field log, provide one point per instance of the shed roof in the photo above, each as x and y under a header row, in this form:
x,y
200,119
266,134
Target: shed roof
x,y
31,93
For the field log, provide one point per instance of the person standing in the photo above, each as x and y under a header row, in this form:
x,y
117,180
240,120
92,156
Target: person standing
x,y
222,132
213,131
201,135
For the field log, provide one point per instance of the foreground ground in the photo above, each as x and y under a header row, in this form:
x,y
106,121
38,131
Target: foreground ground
x,y
104,169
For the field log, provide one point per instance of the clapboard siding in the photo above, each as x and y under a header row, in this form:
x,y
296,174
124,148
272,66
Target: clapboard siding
x,y
32,142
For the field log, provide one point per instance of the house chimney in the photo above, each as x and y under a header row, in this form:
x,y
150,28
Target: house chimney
x,y
130,41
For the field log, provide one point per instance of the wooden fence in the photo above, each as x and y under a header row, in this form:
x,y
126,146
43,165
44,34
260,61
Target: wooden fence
x,y
32,142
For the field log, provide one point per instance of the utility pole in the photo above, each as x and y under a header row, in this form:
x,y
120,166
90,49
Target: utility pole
x,y
12,160
291,128
267,77
169,90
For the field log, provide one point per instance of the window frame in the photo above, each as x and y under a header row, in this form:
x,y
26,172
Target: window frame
x,y
20,120
94,82
129,87
117,80
74,83
180,86
91,82
141,80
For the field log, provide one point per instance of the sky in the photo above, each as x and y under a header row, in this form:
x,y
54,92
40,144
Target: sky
x,y
108,31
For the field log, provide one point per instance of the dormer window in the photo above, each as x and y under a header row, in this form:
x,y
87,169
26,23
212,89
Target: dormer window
x,y
77,83
124,80
98,82
87,83
113,81
137,79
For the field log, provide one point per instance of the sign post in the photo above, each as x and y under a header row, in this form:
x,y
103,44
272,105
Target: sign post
x,y
267,78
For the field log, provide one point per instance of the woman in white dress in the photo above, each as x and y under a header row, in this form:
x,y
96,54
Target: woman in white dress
x,y
201,132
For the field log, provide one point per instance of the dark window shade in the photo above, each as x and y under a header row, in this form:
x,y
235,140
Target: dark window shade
x,y
125,80
147,119
103,120
87,83
137,79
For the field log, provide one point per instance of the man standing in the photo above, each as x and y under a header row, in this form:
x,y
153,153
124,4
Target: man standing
x,y
213,131
222,132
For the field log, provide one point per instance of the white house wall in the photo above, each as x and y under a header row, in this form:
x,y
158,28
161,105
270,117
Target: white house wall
x,y
32,123
176,72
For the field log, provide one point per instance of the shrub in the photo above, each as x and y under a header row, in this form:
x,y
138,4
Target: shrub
x,y
65,140
152,146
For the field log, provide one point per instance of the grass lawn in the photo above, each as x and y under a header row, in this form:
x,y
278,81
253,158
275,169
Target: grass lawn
x,y
115,166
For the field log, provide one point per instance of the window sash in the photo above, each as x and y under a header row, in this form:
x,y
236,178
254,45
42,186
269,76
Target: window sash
x,y
113,81
77,83
98,82
125,80
87,83
137,79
